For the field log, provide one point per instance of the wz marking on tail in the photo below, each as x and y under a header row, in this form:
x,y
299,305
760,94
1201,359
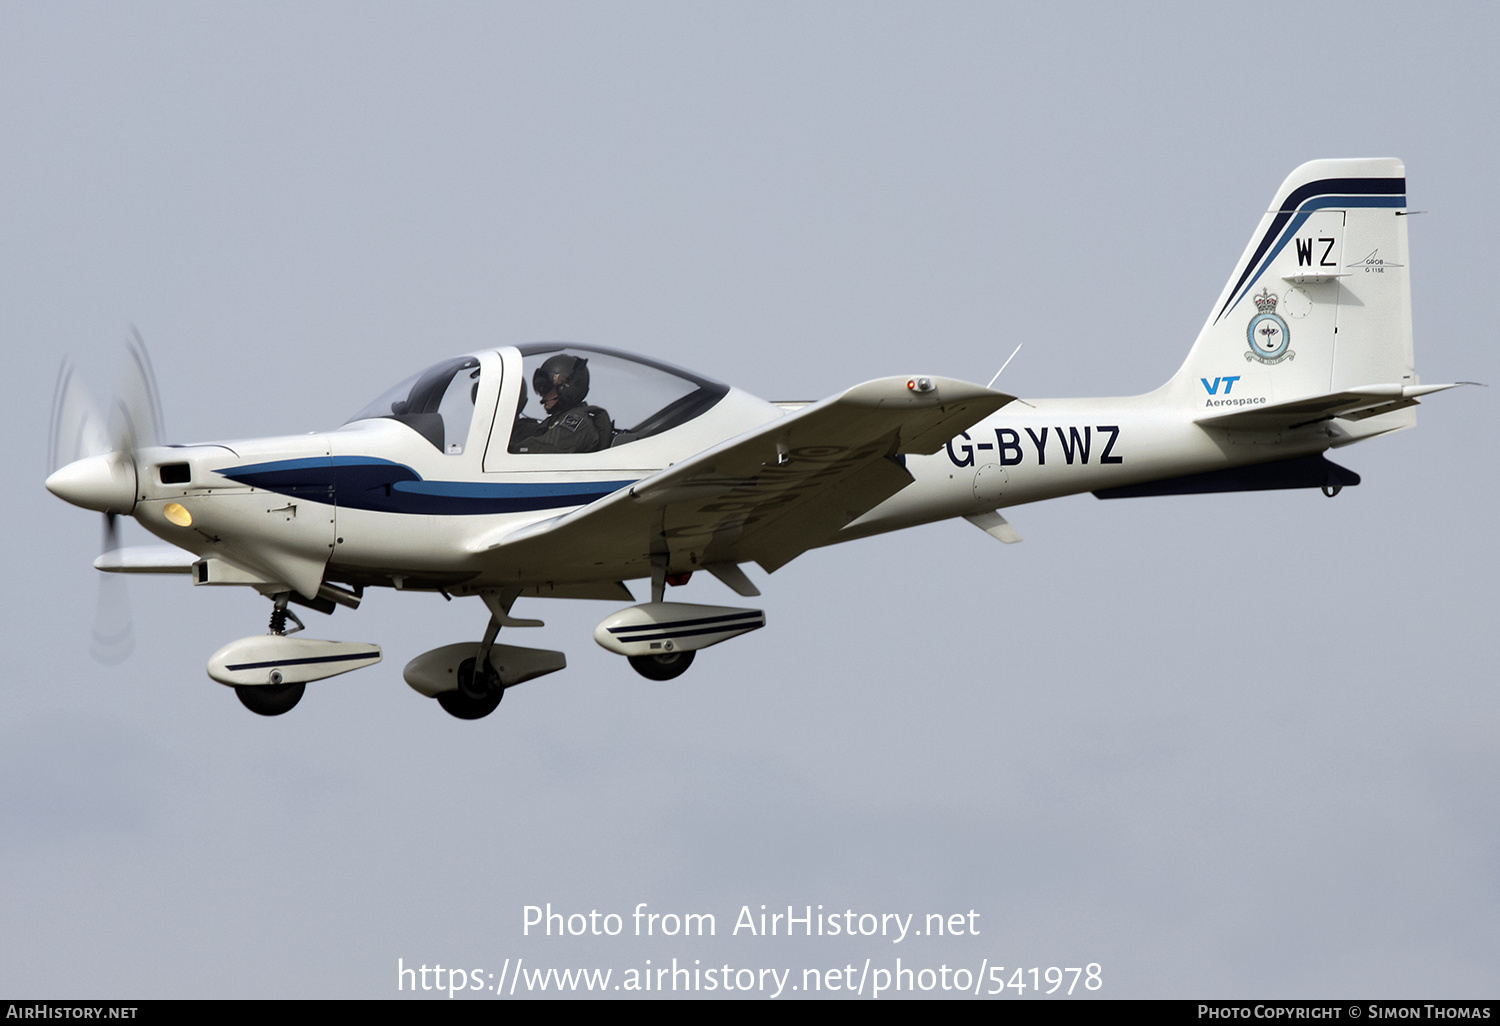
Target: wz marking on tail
x,y
1305,253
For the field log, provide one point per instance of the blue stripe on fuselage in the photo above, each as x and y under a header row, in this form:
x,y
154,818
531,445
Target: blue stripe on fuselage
x,y
383,486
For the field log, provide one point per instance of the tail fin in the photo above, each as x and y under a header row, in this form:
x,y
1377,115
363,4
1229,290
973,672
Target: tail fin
x,y
1320,302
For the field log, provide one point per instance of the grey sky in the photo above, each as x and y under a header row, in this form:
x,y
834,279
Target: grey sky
x,y
1235,745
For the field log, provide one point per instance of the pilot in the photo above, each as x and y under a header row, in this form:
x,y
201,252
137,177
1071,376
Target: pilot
x,y
562,383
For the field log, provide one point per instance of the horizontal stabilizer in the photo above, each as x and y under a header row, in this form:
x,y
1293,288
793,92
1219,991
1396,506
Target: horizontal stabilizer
x,y
1352,404
1301,472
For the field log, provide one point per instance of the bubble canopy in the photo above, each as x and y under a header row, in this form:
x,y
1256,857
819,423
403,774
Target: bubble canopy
x,y
642,397
437,403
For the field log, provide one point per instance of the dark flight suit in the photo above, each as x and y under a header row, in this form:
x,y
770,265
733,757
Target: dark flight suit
x,y
583,428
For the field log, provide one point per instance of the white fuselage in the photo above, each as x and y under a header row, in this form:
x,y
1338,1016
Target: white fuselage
x,y
299,534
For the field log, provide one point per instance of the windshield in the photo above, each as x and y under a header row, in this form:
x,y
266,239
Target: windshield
x,y
437,404
584,399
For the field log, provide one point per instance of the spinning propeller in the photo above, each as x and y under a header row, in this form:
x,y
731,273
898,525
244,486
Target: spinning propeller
x,y
92,457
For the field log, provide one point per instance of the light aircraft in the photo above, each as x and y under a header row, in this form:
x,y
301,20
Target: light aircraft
x,y
455,481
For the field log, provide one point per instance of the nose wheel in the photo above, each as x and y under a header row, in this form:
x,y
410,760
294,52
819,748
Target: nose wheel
x,y
270,699
662,666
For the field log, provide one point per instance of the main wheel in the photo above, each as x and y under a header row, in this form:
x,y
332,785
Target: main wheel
x,y
662,667
269,699
477,695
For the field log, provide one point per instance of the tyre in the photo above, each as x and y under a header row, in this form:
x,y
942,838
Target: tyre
x,y
477,695
664,666
269,699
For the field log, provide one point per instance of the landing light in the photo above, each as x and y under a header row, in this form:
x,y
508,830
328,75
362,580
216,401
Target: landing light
x,y
177,514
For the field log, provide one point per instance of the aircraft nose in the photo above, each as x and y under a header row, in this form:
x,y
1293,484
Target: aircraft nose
x,y
104,483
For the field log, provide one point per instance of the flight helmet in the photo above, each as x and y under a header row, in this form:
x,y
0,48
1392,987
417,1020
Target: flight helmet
x,y
568,375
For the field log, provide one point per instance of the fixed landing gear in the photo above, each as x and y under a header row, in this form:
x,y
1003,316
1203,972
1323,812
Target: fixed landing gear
x,y
469,681
661,638
656,665
663,666
270,699
477,696
269,672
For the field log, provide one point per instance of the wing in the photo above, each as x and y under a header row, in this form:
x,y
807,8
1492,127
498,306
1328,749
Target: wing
x,y
766,496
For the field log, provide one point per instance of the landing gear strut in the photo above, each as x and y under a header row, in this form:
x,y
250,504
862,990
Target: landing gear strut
x,y
275,698
479,686
660,665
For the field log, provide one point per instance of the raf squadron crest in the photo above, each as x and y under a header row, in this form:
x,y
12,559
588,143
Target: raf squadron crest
x,y
1268,334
